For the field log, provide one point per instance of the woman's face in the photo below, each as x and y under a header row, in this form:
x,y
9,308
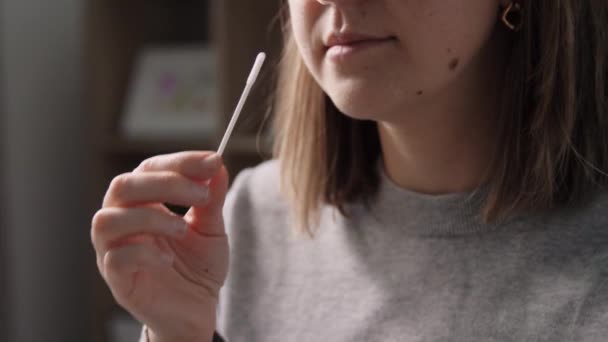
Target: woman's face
x,y
376,57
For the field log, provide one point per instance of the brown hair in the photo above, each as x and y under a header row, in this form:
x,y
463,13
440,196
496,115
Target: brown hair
x,y
552,147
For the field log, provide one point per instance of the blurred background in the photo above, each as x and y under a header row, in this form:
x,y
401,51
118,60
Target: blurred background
x,y
90,88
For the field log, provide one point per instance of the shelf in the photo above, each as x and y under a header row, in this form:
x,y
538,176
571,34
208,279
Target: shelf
x,y
116,146
249,145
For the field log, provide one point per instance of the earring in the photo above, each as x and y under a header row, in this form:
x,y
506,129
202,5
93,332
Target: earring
x,y
512,16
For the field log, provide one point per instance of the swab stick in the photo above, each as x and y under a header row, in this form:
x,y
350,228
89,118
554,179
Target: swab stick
x,y
253,76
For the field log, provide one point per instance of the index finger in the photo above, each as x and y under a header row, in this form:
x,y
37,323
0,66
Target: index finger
x,y
199,165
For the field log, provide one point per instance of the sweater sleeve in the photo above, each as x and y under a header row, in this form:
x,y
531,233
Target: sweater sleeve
x,y
236,208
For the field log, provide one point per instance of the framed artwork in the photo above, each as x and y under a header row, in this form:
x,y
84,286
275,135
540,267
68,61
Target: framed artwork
x,y
172,95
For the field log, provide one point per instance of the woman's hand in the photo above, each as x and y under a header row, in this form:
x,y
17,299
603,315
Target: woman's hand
x,y
166,270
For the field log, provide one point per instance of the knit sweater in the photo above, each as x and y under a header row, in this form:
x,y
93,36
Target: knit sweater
x,y
412,267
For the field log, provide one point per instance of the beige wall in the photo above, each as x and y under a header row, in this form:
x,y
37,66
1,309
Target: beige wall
x,y
43,168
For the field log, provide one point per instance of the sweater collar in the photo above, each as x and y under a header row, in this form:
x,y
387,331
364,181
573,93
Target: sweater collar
x,y
425,214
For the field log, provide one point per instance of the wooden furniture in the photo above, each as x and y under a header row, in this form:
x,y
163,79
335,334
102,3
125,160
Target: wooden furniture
x,y
116,31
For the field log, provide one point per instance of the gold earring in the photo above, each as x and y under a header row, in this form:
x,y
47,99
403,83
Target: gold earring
x,y
513,10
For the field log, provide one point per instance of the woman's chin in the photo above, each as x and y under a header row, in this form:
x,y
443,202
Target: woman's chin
x,y
359,110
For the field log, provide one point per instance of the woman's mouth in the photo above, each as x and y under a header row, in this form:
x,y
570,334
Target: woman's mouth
x,y
339,47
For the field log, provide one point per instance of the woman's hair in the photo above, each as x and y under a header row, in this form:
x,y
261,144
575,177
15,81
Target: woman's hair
x,y
552,147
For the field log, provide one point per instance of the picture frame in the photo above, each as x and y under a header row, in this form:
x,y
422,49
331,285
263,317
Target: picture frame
x,y
172,95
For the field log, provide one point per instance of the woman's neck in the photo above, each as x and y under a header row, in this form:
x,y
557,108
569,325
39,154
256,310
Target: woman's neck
x,y
446,144
437,158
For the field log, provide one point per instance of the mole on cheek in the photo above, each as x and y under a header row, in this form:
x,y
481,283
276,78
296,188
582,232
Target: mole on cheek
x,y
419,92
454,63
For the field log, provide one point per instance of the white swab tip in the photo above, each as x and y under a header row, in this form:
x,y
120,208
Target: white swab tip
x,y
259,61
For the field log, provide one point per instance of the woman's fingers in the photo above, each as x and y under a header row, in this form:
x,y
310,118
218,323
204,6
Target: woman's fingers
x,y
176,178
132,189
195,165
111,224
207,219
190,179
134,234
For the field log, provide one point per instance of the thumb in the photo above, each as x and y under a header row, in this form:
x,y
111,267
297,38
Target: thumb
x,y
208,219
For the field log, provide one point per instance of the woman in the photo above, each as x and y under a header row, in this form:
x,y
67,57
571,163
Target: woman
x,y
448,159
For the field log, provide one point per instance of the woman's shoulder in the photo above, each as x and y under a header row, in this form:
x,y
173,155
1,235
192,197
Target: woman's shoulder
x,y
258,184
579,231
263,174
255,190
592,212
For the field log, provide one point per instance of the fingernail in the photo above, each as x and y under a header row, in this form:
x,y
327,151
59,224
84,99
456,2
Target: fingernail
x,y
203,192
212,160
166,258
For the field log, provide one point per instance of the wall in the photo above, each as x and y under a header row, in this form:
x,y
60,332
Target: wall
x,y
44,158
3,261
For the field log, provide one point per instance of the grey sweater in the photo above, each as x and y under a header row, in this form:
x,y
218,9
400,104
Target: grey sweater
x,y
414,267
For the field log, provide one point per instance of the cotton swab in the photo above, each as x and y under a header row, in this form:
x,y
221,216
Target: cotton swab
x,y
253,76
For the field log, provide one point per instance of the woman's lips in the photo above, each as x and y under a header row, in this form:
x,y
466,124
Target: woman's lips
x,y
339,50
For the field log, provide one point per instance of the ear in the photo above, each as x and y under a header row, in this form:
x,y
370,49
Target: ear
x,y
505,3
